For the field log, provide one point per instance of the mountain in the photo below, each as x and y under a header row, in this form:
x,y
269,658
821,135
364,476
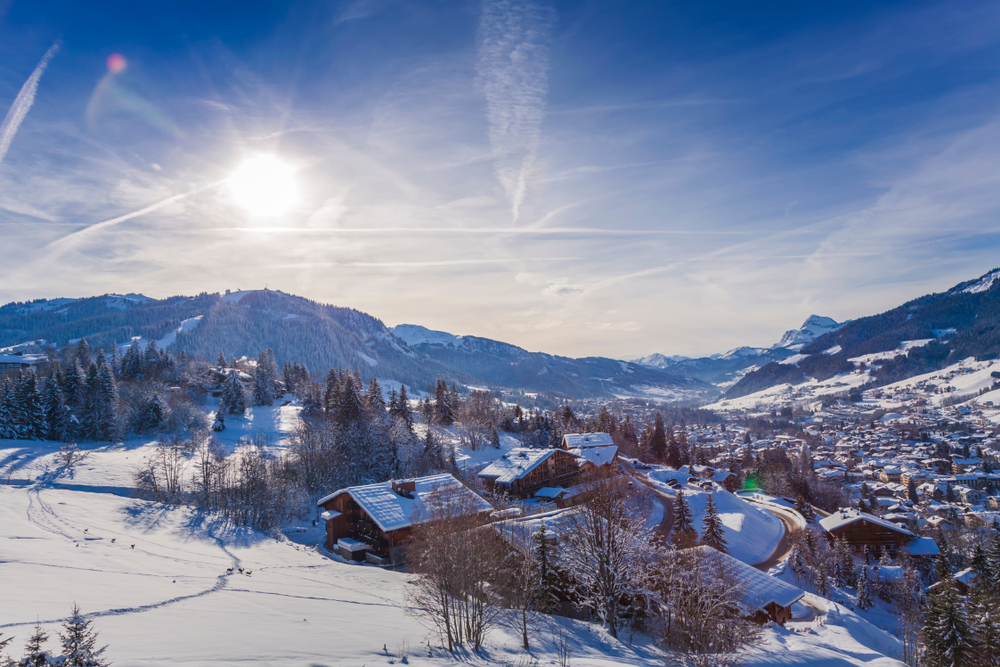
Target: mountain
x,y
922,335
324,336
725,370
814,327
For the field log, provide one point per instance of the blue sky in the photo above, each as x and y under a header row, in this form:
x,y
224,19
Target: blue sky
x,y
588,178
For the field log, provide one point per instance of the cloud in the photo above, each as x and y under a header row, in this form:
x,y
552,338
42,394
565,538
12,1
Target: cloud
x,y
513,70
22,103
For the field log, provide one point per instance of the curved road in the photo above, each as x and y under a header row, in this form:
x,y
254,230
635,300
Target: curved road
x,y
784,548
668,504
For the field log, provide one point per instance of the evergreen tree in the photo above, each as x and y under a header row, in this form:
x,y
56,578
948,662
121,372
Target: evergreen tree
x,y
984,616
220,361
151,359
350,410
658,441
442,404
683,528
374,401
263,387
219,424
948,637
865,601
35,654
233,400
803,507
133,367
6,411
54,408
106,404
713,535
403,406
992,555
152,414
79,642
548,579
83,353
674,457
911,491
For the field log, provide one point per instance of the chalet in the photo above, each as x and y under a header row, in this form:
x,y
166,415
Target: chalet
x,y
766,598
596,448
18,362
372,522
862,530
523,471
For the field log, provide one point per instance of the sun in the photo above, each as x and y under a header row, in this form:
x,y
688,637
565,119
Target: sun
x,y
264,185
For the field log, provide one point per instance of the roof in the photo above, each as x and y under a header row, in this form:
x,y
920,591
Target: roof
x,y
516,463
576,440
391,511
599,456
26,359
923,546
761,588
847,516
550,492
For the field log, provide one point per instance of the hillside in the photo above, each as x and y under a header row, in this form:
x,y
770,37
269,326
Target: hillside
x,y
324,336
922,335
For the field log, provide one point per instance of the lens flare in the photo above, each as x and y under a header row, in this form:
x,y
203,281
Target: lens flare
x,y
264,185
116,63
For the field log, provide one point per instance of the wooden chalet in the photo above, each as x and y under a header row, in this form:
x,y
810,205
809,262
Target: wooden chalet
x,y
862,530
522,471
766,598
374,521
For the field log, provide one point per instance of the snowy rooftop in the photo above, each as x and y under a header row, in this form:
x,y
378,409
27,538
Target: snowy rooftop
x,y
597,455
577,440
845,517
923,546
391,511
761,588
515,464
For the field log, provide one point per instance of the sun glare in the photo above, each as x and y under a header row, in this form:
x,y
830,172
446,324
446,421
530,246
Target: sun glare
x,y
264,185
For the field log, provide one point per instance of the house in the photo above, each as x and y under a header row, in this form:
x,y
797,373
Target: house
x,y
523,471
766,598
374,521
597,448
862,530
18,362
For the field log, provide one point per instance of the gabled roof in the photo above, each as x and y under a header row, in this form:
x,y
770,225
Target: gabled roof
x,y
846,517
761,588
577,440
599,456
391,511
516,463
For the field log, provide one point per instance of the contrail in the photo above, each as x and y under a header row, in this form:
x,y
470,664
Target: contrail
x,y
513,68
23,101
62,244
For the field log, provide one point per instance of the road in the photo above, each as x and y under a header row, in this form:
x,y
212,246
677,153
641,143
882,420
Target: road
x,y
668,504
784,548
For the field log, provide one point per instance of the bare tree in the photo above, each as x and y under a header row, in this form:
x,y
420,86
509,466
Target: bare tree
x,y
607,549
520,583
457,561
70,454
702,620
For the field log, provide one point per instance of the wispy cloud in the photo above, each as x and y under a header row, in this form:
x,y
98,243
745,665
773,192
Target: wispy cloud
x,y
22,103
513,68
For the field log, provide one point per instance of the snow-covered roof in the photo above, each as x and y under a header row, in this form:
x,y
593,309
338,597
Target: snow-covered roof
x,y
516,463
761,588
577,440
923,546
845,517
597,455
550,492
26,359
392,511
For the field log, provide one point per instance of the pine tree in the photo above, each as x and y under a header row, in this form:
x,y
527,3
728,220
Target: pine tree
x,y
683,528
404,408
79,642
911,491
262,387
106,404
992,555
53,406
6,410
220,361
803,507
35,654
374,401
948,637
548,579
219,424
713,535
865,601
151,359
984,616
233,400
658,440
442,404
349,410
152,414
674,458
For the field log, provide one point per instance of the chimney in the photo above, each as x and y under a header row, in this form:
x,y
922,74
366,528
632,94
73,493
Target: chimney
x,y
405,487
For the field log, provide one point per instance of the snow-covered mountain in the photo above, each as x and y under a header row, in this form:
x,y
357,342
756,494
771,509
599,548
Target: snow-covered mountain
x,y
658,360
243,323
814,327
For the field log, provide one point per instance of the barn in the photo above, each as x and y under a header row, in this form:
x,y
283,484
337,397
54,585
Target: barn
x,y
374,521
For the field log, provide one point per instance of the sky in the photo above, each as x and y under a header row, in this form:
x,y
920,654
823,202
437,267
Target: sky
x,y
580,178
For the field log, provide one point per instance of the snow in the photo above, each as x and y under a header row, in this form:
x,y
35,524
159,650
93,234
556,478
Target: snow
x,y
793,360
413,334
761,589
169,601
163,343
597,455
814,327
515,464
751,532
368,360
833,350
575,440
235,297
983,283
